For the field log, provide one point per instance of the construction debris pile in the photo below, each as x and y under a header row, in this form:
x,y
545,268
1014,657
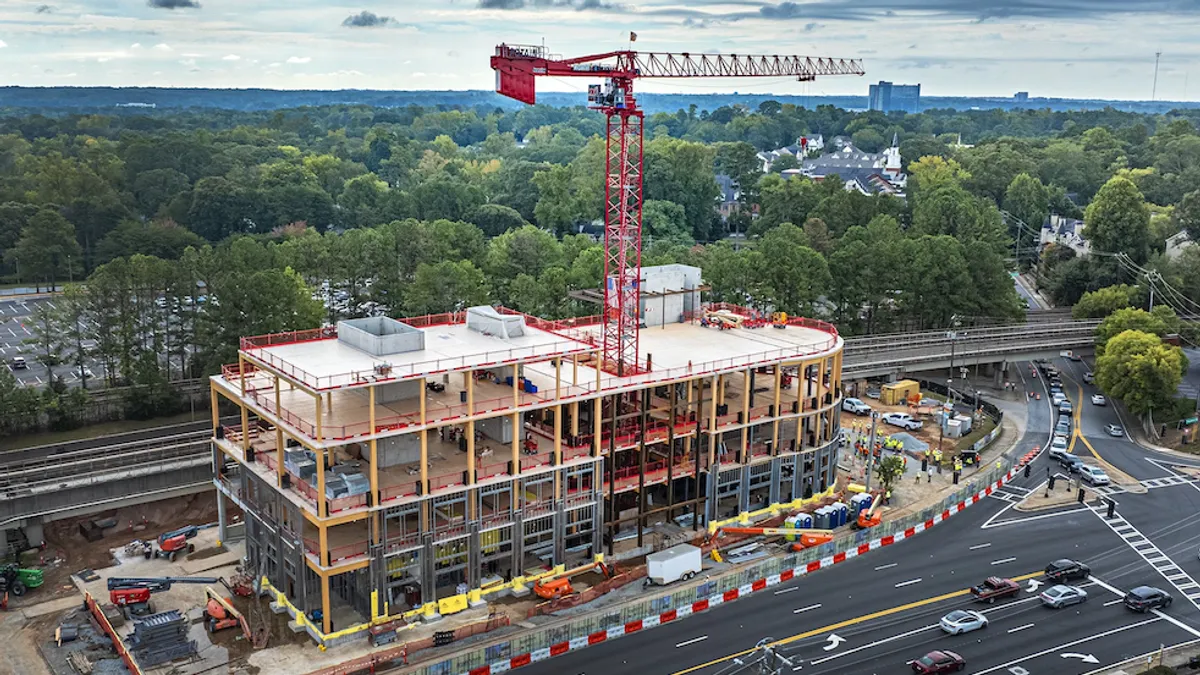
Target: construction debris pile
x,y
159,638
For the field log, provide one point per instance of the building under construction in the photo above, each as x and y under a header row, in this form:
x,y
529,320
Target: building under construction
x,y
386,465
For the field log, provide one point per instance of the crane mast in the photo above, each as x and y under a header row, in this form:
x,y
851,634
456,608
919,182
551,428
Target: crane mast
x,y
516,68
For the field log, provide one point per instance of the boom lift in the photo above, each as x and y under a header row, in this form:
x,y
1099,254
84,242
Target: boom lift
x,y
559,585
871,517
133,593
219,614
809,537
518,66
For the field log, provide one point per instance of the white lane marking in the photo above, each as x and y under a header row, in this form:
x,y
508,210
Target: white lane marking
x,y
976,547
1061,647
1110,603
835,641
1158,613
1014,521
884,567
910,582
1002,561
1141,544
1020,628
787,590
1141,657
806,609
693,641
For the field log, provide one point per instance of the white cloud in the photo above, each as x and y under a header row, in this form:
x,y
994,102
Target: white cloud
x,y
299,59
3,44
231,57
136,45
163,47
190,55
418,74
276,64
103,59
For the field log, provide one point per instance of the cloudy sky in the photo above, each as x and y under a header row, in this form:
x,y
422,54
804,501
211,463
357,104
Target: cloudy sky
x,y
1072,48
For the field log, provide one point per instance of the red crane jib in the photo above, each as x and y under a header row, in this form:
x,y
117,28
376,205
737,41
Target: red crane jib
x,y
517,68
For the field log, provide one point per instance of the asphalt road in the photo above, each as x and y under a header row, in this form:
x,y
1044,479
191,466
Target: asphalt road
x,y
883,607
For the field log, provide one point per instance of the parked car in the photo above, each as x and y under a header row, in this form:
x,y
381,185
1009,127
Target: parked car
x,y
995,587
18,363
1071,463
1058,447
1098,399
1145,598
1093,475
939,662
856,406
963,621
1115,430
82,372
1063,595
903,420
1066,569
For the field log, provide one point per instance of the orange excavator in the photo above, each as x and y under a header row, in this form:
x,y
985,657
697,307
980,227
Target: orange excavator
x,y
559,585
809,537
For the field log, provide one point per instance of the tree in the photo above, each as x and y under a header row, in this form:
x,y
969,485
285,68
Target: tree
x,y
1101,302
75,321
785,201
46,337
47,250
1159,322
889,469
1187,215
791,276
1117,221
665,221
784,162
446,287
682,172
155,188
817,233
1140,370
496,219
159,238
1029,201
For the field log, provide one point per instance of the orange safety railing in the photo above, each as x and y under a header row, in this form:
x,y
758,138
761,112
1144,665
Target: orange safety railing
x,y
118,644
347,503
445,480
290,337
347,552
409,488
534,461
312,547
303,488
492,470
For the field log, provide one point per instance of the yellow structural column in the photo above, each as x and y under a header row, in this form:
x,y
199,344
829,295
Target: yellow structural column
x,y
322,507
424,446
280,446
374,477
326,619
712,422
745,452
471,427
558,449
242,371
216,401
778,412
557,379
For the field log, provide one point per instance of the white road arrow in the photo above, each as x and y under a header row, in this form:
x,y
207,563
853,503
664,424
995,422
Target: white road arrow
x,y
1086,658
835,640
1033,585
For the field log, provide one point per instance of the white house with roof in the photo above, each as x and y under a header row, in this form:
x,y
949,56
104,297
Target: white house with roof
x,y
1067,232
871,173
1177,243
800,149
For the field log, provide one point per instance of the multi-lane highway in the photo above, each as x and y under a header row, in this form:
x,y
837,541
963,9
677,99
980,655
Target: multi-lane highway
x,y
877,612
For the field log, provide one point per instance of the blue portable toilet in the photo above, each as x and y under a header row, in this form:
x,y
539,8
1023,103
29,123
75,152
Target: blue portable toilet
x,y
859,503
842,512
803,521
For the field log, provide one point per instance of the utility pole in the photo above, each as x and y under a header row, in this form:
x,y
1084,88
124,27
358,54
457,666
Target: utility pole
x,y
871,450
1154,89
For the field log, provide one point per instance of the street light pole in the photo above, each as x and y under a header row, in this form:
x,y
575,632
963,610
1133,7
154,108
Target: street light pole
x,y
871,450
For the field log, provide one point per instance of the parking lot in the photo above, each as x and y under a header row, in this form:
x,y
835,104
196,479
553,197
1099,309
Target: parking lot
x,y
15,329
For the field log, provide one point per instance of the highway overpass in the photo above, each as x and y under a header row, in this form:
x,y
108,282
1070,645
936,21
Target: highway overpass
x,y
52,482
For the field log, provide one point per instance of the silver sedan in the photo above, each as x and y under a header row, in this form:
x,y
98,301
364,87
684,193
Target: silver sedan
x,y
1063,595
963,621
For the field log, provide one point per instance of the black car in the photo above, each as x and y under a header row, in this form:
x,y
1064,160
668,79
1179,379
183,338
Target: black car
x,y
1070,462
1066,569
1145,598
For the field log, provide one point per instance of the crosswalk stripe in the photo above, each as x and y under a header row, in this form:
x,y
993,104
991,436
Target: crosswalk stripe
x,y
1149,552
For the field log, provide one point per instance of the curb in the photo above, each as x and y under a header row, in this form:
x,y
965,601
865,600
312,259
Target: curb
x,y
575,644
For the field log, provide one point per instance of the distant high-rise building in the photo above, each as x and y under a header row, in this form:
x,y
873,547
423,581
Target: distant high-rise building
x,y
1021,96
887,97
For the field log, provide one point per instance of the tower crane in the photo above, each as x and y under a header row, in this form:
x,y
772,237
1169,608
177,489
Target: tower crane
x,y
517,67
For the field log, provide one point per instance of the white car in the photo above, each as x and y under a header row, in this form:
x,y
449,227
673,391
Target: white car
x,y
1063,595
83,372
1058,447
963,621
1093,475
856,406
904,420
1098,399
1058,397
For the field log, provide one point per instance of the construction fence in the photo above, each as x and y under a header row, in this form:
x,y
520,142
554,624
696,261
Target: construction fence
x,y
569,635
118,645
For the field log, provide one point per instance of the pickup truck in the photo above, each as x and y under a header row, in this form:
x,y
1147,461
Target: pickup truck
x,y
995,587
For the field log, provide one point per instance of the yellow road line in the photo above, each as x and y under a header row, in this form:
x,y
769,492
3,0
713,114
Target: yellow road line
x,y
849,622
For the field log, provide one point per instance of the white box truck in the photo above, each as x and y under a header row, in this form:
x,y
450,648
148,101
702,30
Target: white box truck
x,y
673,564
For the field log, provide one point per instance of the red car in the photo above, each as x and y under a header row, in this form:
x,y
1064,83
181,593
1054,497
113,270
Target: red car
x,y
995,587
939,662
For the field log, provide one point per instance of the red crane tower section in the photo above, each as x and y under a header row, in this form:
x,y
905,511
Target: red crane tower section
x,y
516,68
